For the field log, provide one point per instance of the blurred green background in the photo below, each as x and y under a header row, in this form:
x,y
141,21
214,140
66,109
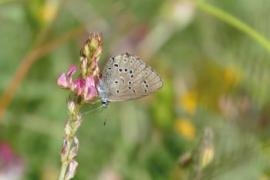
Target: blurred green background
x,y
211,119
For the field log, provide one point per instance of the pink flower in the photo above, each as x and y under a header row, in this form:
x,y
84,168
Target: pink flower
x,y
72,70
62,81
11,164
65,79
78,86
85,87
90,89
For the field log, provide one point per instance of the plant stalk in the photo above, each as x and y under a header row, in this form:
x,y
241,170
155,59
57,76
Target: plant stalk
x,y
71,143
234,22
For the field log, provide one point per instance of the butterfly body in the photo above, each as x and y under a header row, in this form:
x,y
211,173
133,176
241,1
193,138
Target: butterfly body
x,y
103,93
126,77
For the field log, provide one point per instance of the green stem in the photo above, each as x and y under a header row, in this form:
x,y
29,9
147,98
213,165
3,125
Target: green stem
x,y
71,128
233,21
63,171
65,163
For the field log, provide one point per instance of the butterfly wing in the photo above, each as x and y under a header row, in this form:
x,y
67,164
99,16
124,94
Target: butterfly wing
x,y
127,77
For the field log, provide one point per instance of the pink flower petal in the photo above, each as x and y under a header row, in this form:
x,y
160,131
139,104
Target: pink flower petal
x,y
62,81
82,87
91,94
90,81
71,70
90,88
65,79
78,86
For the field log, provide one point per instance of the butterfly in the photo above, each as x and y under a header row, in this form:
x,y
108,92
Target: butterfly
x,y
126,77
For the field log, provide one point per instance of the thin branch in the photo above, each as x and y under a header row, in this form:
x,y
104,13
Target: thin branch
x,y
28,61
234,22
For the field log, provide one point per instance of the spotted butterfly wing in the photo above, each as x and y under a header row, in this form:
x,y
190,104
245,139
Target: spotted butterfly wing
x,y
127,77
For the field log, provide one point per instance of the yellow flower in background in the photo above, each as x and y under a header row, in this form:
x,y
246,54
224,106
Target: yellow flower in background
x,y
189,101
185,128
207,156
231,75
264,177
48,11
207,150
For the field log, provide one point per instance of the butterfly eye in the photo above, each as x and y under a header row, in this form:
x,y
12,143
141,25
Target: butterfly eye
x,y
126,70
120,70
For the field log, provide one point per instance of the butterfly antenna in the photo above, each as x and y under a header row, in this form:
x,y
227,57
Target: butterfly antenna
x,y
105,121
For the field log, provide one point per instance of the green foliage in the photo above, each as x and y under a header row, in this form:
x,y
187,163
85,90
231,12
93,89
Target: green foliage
x,y
214,76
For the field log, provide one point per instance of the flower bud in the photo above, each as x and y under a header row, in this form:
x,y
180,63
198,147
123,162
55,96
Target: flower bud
x,y
71,169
